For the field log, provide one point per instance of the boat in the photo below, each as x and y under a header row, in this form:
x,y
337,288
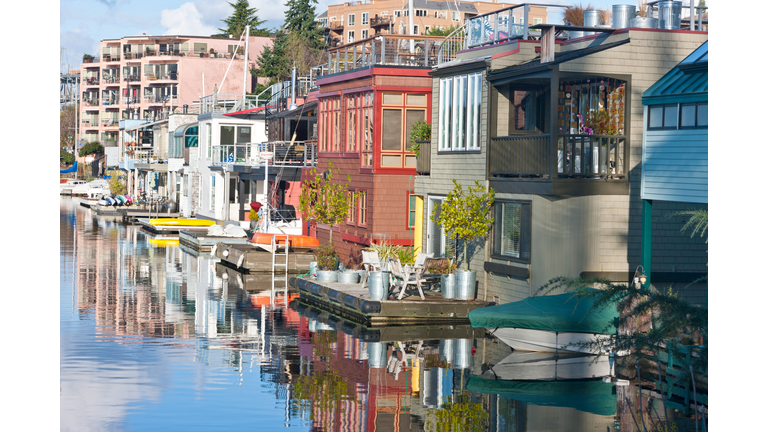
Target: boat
x,y
91,188
544,366
295,241
549,323
181,222
66,185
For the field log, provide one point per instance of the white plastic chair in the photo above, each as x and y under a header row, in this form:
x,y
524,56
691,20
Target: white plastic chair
x,y
370,263
405,278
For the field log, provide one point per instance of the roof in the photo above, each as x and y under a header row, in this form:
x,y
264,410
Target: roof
x,y
561,57
686,82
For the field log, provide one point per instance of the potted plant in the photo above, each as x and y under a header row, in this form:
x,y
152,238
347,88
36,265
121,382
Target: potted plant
x,y
447,280
87,58
327,260
212,52
467,214
642,17
421,132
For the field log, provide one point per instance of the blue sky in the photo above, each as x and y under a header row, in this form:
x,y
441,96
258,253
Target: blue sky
x,y
84,23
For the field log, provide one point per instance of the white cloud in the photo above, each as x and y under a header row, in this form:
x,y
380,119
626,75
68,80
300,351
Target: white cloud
x,y
185,20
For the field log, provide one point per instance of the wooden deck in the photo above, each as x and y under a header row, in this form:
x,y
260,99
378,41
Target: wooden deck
x,y
173,229
249,258
201,241
352,302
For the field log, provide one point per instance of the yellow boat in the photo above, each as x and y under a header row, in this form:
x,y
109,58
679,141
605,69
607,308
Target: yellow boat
x,y
164,242
181,222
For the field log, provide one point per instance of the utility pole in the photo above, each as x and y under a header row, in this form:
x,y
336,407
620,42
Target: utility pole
x,y
410,24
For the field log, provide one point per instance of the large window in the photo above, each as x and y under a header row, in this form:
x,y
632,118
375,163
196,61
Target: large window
x,y
365,18
329,124
359,118
459,114
351,19
512,230
412,211
399,113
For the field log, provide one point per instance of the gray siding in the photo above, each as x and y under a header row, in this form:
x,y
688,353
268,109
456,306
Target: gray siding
x,y
675,164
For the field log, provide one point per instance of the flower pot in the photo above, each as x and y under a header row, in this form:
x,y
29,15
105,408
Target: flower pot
x,y
378,285
349,277
462,357
377,354
465,284
446,349
448,285
327,276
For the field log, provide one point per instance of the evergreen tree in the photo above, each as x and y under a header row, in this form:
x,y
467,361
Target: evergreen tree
x,y
273,61
242,16
300,23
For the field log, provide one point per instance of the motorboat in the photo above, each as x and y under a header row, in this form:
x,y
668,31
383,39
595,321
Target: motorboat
x,y
87,189
555,323
187,222
544,366
295,241
66,185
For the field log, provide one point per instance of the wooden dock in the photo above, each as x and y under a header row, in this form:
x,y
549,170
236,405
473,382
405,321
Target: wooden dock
x,y
352,302
396,333
201,241
249,258
170,229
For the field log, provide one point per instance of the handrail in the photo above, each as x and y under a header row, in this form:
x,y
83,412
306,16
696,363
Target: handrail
x,y
454,43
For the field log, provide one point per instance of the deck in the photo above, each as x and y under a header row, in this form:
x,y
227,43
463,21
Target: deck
x,y
251,259
353,302
202,242
173,229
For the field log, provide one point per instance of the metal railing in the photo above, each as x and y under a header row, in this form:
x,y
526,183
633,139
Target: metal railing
x,y
91,81
111,79
395,50
91,102
110,57
185,53
528,155
591,155
301,153
229,103
424,159
114,100
382,20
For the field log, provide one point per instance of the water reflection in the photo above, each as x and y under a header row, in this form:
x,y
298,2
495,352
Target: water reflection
x,y
156,336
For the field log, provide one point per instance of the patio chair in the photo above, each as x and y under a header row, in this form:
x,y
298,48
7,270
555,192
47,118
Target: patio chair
x,y
370,263
404,279
433,268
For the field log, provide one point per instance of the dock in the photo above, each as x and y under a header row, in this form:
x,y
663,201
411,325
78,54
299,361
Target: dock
x,y
251,259
170,229
352,302
202,242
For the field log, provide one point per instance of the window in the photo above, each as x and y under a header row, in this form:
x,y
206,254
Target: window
x,y
455,16
399,112
426,29
329,124
693,115
397,13
512,230
212,203
405,12
364,34
421,12
415,29
411,211
385,13
459,114
351,19
352,207
323,22
662,117
537,21
350,36
364,18
363,209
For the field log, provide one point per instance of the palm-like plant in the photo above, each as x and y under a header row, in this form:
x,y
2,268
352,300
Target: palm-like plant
x,y
698,221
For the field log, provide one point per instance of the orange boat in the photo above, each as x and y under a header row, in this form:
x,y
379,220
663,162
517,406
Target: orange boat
x,y
295,241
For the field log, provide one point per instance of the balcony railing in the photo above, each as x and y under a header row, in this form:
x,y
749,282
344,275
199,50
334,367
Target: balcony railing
x,y
394,50
91,81
114,100
110,57
229,103
528,155
302,153
384,20
578,156
131,100
91,102
111,79
424,160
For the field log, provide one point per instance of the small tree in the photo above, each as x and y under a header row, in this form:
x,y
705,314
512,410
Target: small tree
x,y
116,184
466,213
324,201
243,15
420,131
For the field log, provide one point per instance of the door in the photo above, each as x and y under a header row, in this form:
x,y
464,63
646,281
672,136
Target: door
x,y
438,242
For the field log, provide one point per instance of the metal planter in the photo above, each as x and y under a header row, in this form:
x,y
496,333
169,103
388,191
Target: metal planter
x,y
377,354
465,284
349,277
448,286
327,276
644,22
462,357
378,285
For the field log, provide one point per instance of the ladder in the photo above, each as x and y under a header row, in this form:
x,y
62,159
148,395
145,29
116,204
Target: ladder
x,y
284,254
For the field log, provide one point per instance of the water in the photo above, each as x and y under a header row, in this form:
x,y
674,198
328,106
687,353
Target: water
x,y
154,337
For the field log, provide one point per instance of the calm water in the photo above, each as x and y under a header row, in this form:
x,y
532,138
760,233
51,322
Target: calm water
x,y
154,337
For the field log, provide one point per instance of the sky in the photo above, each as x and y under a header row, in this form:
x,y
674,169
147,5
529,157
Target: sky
x,y
84,23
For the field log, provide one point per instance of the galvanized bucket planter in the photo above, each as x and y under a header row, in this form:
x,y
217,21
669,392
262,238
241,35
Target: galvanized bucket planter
x,y
448,286
327,276
349,277
377,354
446,350
462,357
465,284
378,285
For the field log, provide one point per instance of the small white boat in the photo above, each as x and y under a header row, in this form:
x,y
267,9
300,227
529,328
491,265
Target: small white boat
x,y
66,188
549,367
92,190
547,341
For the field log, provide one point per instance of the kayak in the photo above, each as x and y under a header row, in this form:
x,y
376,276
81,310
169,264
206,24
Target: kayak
x,y
293,240
181,222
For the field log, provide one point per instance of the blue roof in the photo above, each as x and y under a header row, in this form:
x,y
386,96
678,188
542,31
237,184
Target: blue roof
x,y
686,82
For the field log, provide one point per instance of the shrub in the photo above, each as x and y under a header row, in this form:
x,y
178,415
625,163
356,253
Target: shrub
x,y
327,257
420,131
91,148
66,157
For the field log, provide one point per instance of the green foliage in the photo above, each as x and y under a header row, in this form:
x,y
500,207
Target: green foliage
x,y
66,157
327,258
323,390
116,184
300,23
648,319
87,58
385,250
698,221
466,213
406,255
242,16
273,61
439,31
324,201
253,215
460,415
91,148
420,131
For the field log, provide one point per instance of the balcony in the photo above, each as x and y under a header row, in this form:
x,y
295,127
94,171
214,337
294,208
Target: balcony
x,y
229,103
93,81
381,21
424,159
111,101
390,50
336,25
111,79
302,153
91,102
108,58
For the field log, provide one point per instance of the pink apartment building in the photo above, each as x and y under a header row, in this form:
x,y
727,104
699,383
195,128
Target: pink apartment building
x,y
146,77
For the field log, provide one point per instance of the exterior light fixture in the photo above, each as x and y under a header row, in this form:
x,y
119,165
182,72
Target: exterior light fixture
x,y
640,277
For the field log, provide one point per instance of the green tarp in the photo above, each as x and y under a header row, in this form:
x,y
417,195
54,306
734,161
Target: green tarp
x,y
593,396
556,313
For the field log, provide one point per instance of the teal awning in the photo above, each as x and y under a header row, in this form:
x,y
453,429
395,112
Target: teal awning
x,y
594,396
555,313
686,82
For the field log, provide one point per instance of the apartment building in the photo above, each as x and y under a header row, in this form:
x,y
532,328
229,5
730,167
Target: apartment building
x,y
148,77
354,21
